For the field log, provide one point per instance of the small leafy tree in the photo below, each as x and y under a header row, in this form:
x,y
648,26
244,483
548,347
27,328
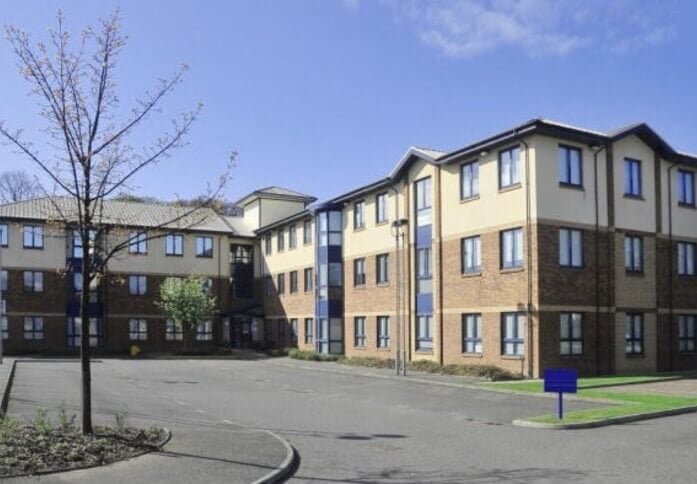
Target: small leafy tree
x,y
186,301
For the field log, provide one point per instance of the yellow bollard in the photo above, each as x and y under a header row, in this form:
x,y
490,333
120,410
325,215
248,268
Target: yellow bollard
x,y
135,351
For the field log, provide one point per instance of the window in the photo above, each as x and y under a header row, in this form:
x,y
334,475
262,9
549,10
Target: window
x,y
268,285
570,168
359,331
634,334
207,286
33,328
280,241
383,332
78,247
686,188
4,327
359,272
424,279
75,332
77,281
309,323
359,215
294,331
281,283
570,248
174,331
382,269
513,334
511,248
4,235
424,332
33,237
472,333
33,281
686,258
307,232
571,334
293,282
471,258
137,330
292,237
308,282
381,208
137,243
174,245
282,331
469,180
687,333
632,177
422,194
3,280
204,331
633,254
267,244
137,285
509,167
204,247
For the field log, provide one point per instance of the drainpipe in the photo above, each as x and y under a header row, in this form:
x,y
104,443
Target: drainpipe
x,y
670,267
596,152
441,342
395,229
528,247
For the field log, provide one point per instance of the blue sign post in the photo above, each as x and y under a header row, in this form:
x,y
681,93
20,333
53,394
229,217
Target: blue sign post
x,y
561,381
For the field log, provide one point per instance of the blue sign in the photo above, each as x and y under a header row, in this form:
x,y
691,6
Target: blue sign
x,y
561,381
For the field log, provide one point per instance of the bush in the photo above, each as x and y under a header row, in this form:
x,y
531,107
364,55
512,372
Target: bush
x,y
370,362
297,354
489,372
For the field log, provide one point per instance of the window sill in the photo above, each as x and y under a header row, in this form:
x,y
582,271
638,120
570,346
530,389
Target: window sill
x,y
512,270
469,199
174,255
381,223
307,244
362,286
687,277
472,355
571,186
512,357
383,284
424,352
509,188
360,348
629,196
31,248
691,206
467,275
385,350
359,229
634,273
572,357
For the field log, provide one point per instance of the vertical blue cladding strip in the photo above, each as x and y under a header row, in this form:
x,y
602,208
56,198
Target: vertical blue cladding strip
x,y
424,303
423,236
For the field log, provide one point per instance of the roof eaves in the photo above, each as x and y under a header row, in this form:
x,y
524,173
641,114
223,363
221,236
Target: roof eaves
x,y
283,221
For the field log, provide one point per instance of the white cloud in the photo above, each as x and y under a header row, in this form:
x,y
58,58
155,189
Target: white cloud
x,y
466,28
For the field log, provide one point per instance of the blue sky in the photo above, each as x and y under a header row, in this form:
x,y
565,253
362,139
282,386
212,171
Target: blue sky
x,y
325,95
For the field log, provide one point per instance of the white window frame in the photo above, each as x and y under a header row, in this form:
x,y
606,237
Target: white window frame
x,y
570,248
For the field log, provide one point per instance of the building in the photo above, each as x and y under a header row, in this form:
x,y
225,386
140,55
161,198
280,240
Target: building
x,y
544,245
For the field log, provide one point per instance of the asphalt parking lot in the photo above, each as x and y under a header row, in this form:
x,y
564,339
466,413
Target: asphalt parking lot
x,y
349,427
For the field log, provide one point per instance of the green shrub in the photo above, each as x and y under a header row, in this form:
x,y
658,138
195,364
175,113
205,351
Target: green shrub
x,y
297,354
42,422
369,362
489,372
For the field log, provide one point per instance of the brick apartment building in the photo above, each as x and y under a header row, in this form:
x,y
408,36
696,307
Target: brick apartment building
x,y
544,245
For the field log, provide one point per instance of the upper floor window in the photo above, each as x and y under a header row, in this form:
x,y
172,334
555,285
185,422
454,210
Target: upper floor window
x,y
33,281
4,327
686,187
359,272
570,248
359,331
471,255
381,269
307,232
174,244
137,285
204,247
280,241
4,235
633,253
293,282
424,332
686,258
267,244
511,248
359,215
687,333
422,201
292,237
632,177
570,171
383,332
509,167
308,279
471,333
137,243
78,246
381,208
281,283
634,334
512,334
469,180
33,237
571,334
3,280
174,330
424,276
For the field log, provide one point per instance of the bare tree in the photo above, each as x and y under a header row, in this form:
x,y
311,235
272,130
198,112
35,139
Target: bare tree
x,y
88,157
16,186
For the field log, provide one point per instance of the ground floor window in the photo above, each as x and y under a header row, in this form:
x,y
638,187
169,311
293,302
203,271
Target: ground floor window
x,y
174,331
359,332
282,331
687,333
4,328
513,334
204,331
294,331
309,323
571,333
634,333
424,332
137,330
472,333
75,332
383,332
33,328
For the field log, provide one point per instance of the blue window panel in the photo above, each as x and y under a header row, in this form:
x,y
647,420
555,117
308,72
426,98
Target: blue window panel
x,y
423,236
322,309
335,309
334,253
424,303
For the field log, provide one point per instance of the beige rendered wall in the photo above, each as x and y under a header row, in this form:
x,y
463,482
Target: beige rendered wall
x,y
275,210
289,259
52,256
630,213
684,218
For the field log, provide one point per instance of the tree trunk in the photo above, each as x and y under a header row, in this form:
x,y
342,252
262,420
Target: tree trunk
x,y
85,337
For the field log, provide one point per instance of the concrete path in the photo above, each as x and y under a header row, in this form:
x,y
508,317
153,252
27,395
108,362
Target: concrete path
x,y
685,387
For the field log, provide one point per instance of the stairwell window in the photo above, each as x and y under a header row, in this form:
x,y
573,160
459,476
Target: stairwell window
x,y
33,328
512,248
509,167
634,333
359,331
570,248
383,331
633,254
33,236
571,334
74,332
472,333
513,334
686,258
424,332
570,166
471,257
632,177
687,333
469,180
686,188
4,235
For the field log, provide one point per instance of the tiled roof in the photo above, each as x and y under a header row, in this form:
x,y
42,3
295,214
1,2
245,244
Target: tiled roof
x,y
127,213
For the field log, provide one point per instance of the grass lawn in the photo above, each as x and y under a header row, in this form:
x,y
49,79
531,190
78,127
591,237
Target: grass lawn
x,y
626,403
